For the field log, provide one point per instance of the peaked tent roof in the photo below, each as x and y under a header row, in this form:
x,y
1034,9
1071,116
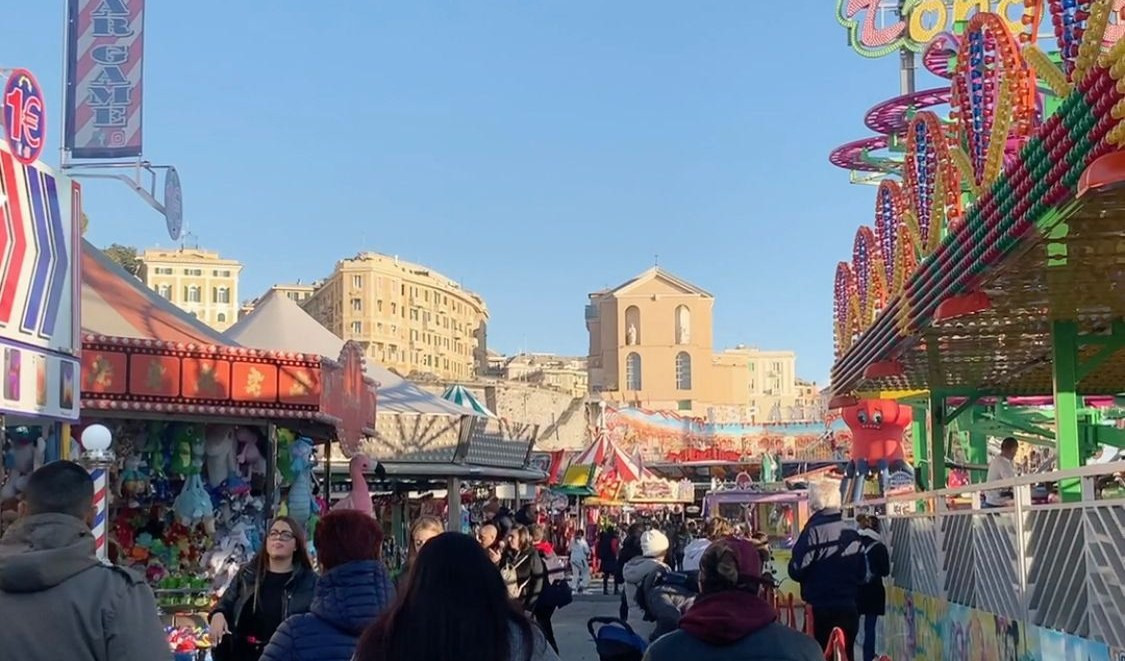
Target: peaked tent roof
x,y
461,396
604,452
117,304
279,324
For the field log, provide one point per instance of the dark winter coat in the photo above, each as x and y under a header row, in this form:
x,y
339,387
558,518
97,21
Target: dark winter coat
x,y
348,599
298,595
872,595
828,562
607,553
58,601
531,576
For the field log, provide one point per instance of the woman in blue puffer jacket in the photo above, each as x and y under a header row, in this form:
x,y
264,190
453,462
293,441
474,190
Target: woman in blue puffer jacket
x,y
353,590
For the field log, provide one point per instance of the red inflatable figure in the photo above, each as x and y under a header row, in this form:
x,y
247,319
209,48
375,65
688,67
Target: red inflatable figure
x,y
877,427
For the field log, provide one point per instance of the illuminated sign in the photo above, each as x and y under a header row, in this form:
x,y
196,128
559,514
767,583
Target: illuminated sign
x,y
923,20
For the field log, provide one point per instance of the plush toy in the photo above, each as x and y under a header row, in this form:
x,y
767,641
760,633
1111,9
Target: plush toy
x,y
19,462
300,492
285,440
251,462
183,441
221,462
359,498
133,480
194,503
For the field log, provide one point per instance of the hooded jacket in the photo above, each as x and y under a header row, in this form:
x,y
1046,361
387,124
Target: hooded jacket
x,y
56,598
733,626
348,599
693,552
663,603
828,562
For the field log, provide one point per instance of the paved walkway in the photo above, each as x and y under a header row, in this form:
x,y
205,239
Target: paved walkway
x,y
570,625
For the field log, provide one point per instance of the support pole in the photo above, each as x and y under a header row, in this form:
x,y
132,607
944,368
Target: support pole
x,y
270,498
978,447
1064,346
921,447
937,440
453,500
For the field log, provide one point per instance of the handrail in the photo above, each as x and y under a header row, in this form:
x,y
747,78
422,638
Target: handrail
x,y
1018,481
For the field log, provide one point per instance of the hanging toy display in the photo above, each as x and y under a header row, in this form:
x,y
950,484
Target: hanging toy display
x,y
300,501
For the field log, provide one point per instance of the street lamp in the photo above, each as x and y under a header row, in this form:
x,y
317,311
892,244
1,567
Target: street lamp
x,y
98,458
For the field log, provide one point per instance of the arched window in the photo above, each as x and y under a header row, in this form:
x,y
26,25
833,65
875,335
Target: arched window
x,y
165,291
221,317
683,325
683,371
633,372
193,294
632,325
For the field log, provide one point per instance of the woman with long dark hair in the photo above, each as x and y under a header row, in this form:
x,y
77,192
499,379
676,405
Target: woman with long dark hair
x,y
278,582
454,607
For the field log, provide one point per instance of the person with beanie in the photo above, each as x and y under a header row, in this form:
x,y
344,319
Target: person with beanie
x,y
730,621
661,595
353,590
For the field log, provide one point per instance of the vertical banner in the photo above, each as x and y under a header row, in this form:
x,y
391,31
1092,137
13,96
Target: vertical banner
x,y
105,52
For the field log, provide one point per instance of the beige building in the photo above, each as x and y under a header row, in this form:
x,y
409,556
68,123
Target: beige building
x,y
561,373
296,292
408,317
651,346
198,281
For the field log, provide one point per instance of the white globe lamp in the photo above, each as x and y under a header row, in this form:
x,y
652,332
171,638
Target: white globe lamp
x,y
96,440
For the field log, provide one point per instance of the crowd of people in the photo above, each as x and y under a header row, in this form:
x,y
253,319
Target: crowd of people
x,y
490,596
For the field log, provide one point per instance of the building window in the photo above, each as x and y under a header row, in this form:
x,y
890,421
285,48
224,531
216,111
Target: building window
x,y
683,371
221,317
220,274
357,281
632,325
195,272
165,291
683,405
163,270
221,295
683,325
357,305
192,294
633,371
357,327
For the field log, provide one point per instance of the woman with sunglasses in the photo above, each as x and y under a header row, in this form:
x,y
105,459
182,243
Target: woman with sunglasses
x,y
277,583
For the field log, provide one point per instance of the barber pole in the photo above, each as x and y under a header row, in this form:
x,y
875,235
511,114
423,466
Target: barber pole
x,y
101,502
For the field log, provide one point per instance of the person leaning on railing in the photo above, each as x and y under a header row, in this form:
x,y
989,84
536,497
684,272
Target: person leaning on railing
x,y
1002,468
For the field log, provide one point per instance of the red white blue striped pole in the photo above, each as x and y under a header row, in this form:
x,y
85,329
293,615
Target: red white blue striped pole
x,y
101,502
98,458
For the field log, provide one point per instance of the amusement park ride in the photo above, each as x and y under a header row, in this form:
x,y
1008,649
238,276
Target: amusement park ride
x,y
988,295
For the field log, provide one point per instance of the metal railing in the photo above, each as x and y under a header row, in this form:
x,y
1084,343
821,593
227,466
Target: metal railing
x,y
1058,564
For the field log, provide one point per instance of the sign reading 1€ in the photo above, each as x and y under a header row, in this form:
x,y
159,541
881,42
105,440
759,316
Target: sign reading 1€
x,y
923,21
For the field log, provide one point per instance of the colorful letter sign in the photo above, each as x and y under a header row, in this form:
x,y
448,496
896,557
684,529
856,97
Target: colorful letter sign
x,y
875,30
39,285
105,50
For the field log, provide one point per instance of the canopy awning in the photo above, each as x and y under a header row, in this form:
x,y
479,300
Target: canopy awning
x,y
461,396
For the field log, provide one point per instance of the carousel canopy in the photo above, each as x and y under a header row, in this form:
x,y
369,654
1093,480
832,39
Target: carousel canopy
x,y
461,396
279,324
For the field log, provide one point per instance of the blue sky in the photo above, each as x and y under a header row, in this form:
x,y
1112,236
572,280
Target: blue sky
x,y
535,150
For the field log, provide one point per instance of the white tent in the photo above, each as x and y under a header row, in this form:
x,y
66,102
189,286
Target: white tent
x,y
279,324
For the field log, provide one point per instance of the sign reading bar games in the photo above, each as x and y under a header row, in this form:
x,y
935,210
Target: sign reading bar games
x,y
105,52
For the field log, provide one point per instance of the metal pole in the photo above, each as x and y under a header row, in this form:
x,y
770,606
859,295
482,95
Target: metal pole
x,y
453,500
937,440
1064,347
905,58
269,499
65,78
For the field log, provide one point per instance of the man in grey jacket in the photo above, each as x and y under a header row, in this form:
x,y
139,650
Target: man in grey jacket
x,y
57,600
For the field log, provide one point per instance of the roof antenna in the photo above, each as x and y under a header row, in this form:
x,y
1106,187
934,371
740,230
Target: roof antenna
x,y
656,261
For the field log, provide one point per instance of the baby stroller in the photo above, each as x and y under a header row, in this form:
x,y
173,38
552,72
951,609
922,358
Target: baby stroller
x,y
615,640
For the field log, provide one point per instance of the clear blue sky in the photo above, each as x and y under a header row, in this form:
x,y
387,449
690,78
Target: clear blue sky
x,y
535,150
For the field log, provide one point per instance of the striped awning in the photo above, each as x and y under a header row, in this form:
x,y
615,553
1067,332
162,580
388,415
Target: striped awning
x,y
461,396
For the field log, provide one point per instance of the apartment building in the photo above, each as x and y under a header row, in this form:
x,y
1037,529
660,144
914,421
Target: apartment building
x,y
408,317
198,281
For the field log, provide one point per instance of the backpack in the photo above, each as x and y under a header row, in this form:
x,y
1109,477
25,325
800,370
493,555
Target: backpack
x,y
557,593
